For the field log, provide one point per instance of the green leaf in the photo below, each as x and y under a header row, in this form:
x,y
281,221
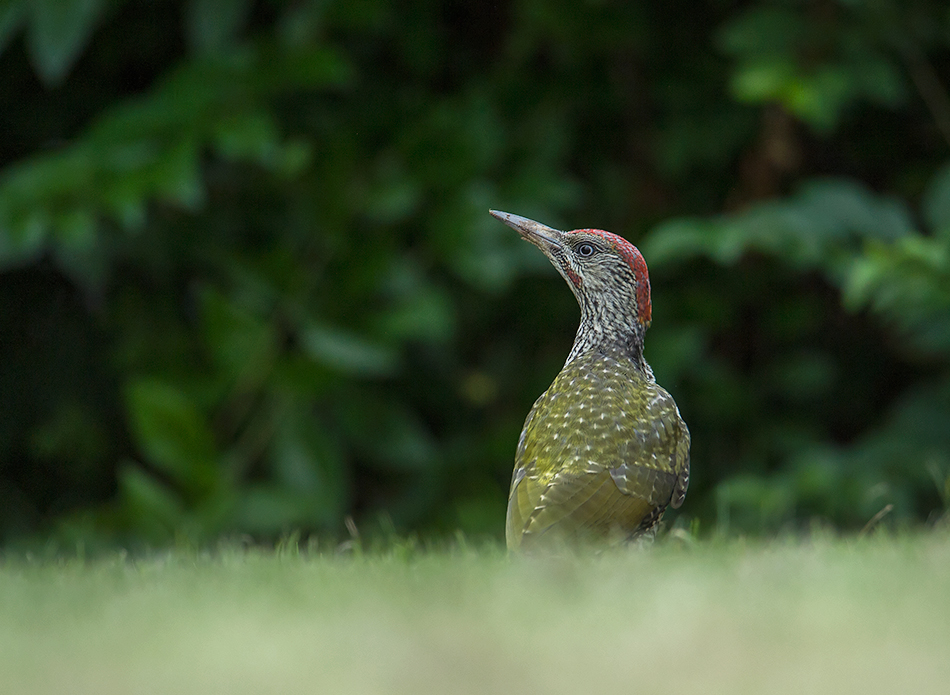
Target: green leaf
x,y
762,31
58,32
840,207
213,24
306,459
305,455
125,202
172,433
763,81
150,503
425,315
150,147
398,438
816,74
679,240
247,135
241,343
820,96
416,308
746,502
907,282
936,203
347,351
817,227
177,176
76,228
254,136
804,376
393,194
23,238
272,509
12,13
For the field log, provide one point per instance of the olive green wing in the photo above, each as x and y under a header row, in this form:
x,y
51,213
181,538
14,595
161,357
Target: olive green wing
x,y
572,506
621,486
682,469
655,459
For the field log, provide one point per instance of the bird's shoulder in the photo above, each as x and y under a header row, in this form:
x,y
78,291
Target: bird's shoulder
x,y
596,393
601,412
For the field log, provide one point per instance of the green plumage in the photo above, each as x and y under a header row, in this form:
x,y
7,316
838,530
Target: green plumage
x,y
603,452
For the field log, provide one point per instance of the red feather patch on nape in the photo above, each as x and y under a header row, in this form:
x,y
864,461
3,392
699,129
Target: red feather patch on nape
x,y
631,254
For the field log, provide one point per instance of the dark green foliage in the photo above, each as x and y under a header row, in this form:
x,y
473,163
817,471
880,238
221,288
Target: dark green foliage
x,y
248,282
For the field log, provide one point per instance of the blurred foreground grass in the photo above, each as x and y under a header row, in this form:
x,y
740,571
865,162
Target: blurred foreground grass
x,y
815,616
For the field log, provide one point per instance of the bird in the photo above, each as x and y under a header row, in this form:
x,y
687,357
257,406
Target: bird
x,y
604,450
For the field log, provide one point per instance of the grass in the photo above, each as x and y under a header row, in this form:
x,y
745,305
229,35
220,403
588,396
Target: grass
x,y
814,616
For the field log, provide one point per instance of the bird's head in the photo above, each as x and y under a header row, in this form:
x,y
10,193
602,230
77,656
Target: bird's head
x,y
606,273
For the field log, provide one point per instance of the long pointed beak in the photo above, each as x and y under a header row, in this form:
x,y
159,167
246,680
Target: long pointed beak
x,y
542,236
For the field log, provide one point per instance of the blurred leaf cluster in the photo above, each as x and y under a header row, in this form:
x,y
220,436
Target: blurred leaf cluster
x,y
248,283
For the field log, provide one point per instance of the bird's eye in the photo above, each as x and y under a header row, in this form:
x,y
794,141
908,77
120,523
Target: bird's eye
x,y
585,250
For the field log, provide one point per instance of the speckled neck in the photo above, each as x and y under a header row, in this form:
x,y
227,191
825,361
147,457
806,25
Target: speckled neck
x,y
608,329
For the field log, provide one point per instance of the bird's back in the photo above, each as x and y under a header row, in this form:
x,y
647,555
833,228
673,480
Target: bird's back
x,y
603,452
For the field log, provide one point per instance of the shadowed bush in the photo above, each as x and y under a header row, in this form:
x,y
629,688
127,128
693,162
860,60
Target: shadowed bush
x,y
248,282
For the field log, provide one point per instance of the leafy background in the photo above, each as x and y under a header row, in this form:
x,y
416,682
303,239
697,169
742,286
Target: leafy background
x,y
249,286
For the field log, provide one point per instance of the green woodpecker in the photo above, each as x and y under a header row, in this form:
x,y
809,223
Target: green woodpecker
x,y
604,450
